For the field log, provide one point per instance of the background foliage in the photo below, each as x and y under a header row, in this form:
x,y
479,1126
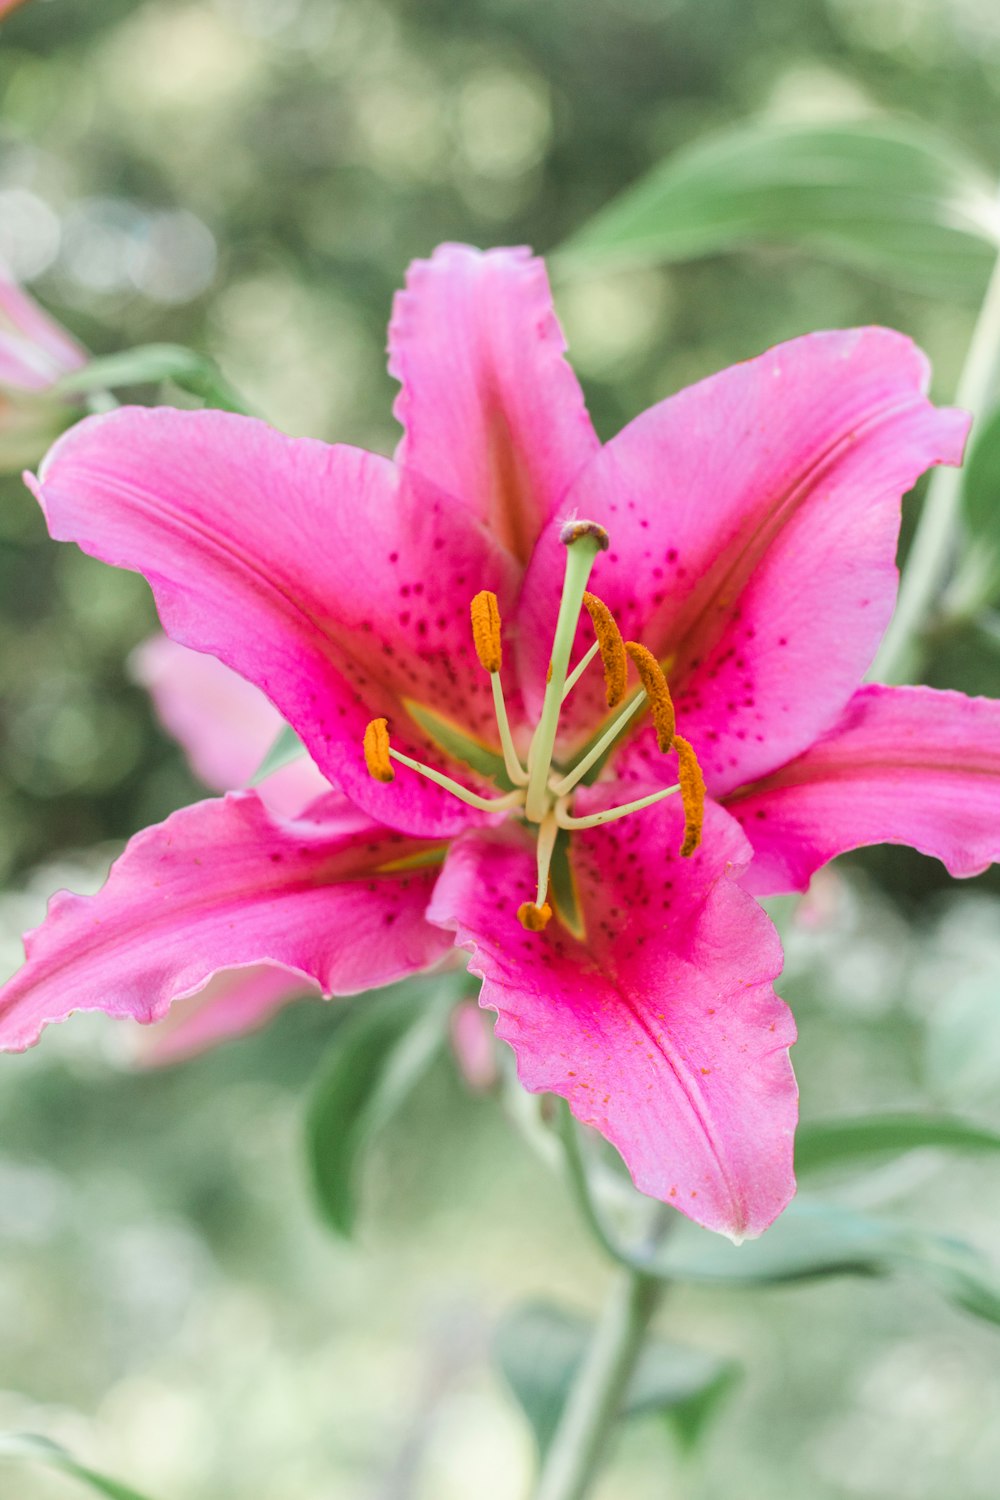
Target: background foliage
x,y
250,177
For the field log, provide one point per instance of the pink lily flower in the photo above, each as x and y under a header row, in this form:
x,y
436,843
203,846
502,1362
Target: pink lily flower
x,y
34,354
491,790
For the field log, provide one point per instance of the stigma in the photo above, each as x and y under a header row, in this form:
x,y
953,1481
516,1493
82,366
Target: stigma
x,y
542,792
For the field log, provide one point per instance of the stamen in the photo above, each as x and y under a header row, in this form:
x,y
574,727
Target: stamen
x,y
486,630
579,669
376,746
569,781
582,540
661,706
611,814
692,784
611,647
485,804
512,763
485,614
535,915
379,753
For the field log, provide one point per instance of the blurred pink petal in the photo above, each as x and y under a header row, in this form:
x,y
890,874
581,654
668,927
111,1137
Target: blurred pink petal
x,y
473,1046
222,722
35,351
234,1002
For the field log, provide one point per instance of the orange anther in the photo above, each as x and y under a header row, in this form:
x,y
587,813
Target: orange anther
x,y
661,705
692,784
612,648
377,751
486,630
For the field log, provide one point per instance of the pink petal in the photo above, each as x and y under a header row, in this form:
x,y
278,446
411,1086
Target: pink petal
x,y
223,723
313,571
234,1002
753,522
491,410
34,350
220,885
904,765
663,1032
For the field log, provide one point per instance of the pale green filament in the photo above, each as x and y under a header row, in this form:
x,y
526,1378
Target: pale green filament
x,y
580,554
611,814
515,770
485,804
579,669
569,781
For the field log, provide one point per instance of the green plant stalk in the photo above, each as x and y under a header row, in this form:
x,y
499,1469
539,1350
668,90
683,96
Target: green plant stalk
x,y
594,1402
932,551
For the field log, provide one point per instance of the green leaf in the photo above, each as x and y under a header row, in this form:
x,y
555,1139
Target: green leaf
x,y
286,747
540,1347
886,195
377,1057
17,1445
813,1239
826,1143
151,364
981,506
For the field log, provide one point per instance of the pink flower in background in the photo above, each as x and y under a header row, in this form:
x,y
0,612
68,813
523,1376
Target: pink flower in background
x,y
6,6
35,353
740,534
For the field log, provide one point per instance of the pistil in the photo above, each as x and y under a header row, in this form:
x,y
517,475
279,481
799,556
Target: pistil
x,y
582,540
535,915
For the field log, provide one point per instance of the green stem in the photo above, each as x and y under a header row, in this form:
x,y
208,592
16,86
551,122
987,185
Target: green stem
x,y
931,554
594,1402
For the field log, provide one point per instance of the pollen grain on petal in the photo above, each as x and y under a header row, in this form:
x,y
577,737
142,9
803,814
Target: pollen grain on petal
x,y
377,751
661,705
486,630
612,648
692,784
534,918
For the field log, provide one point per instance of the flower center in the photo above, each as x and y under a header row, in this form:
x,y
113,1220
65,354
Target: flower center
x,y
542,794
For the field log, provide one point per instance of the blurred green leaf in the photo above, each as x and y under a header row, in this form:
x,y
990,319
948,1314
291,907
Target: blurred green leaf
x,y
540,1347
886,195
16,1445
826,1143
814,1239
981,506
151,364
286,747
378,1056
